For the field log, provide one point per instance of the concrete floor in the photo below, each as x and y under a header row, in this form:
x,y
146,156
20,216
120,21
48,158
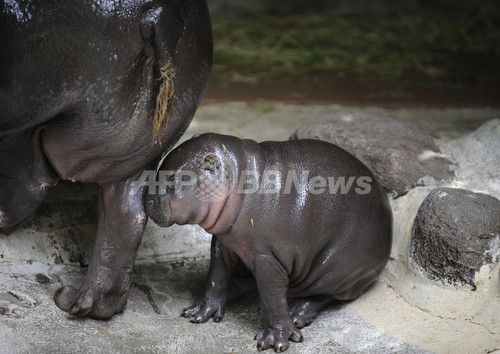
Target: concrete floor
x,y
172,263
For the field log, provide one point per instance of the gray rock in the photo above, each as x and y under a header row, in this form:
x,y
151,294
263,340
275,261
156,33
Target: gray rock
x,y
476,158
401,155
455,232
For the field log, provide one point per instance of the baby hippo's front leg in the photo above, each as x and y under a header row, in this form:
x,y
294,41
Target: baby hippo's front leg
x,y
213,303
272,283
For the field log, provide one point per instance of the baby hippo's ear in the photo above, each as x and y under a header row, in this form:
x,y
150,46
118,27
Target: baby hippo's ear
x,y
210,162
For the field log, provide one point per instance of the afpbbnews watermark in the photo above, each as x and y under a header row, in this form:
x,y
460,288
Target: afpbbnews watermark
x,y
210,185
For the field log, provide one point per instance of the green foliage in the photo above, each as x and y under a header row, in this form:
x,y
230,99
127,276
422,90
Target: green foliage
x,y
254,46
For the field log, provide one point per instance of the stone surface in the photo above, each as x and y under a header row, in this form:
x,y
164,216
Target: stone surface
x,y
151,323
455,312
476,158
401,155
455,233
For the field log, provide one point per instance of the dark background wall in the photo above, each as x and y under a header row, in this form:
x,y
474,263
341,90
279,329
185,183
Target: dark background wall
x,y
358,7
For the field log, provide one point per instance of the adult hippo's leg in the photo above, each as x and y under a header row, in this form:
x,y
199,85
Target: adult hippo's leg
x,y
25,177
85,77
121,224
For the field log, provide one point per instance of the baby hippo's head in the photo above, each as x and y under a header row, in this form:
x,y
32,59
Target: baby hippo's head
x,y
191,180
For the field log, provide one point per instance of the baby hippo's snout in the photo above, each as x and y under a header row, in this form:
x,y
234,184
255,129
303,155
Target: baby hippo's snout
x,y
158,210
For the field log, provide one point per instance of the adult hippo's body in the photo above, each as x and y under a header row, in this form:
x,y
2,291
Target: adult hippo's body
x,y
78,96
307,218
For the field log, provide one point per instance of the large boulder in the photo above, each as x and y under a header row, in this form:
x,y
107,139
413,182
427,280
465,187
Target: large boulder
x,y
401,155
455,232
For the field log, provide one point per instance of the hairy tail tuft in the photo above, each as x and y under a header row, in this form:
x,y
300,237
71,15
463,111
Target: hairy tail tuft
x,y
164,101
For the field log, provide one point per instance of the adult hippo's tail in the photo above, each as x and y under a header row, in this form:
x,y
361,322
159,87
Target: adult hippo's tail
x,y
164,102
168,71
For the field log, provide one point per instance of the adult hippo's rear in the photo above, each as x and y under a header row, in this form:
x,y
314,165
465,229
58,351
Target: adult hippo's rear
x,y
85,94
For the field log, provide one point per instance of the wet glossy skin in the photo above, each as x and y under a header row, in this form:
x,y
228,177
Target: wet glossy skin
x,y
78,88
305,249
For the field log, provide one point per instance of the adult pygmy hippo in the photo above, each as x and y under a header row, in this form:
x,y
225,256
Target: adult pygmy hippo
x,y
96,91
307,218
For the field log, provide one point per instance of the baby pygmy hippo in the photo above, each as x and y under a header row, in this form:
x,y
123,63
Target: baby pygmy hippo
x,y
307,218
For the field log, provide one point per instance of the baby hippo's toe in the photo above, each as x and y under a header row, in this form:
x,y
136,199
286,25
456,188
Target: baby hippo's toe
x,y
304,310
201,311
278,337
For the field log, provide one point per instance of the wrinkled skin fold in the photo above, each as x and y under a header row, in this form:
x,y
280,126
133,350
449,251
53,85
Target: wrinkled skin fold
x,y
78,89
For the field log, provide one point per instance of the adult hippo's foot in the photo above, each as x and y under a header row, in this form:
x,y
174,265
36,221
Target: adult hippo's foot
x,y
304,311
121,224
92,301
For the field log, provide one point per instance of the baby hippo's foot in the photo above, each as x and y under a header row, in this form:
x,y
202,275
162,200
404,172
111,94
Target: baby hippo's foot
x,y
203,309
277,336
304,311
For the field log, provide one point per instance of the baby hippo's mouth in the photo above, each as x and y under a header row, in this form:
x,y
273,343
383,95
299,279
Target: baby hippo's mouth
x,y
158,210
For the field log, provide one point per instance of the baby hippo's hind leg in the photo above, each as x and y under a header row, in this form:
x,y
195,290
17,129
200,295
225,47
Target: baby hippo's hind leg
x,y
359,286
304,310
272,283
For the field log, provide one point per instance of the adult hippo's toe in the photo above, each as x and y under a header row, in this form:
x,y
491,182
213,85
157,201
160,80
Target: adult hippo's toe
x,y
96,91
